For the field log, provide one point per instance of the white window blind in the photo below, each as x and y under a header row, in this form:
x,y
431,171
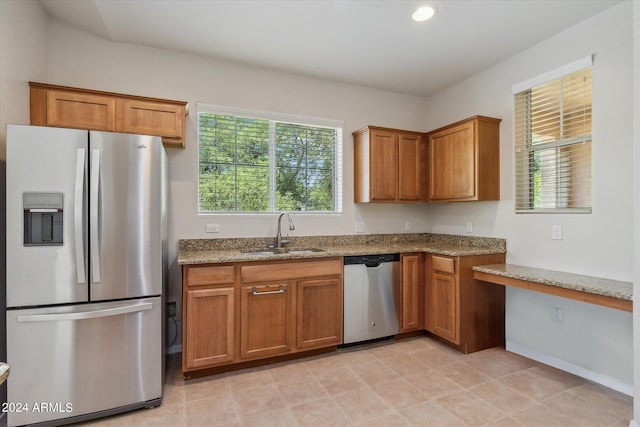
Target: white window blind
x,y
262,163
553,145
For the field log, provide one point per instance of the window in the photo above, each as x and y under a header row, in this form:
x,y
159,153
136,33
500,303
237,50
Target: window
x,y
553,143
265,162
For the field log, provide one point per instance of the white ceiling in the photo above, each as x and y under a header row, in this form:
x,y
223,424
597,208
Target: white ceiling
x,y
368,42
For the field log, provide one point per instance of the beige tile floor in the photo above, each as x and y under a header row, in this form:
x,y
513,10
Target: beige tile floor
x,y
415,382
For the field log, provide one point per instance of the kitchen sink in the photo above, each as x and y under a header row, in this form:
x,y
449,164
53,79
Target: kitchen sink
x,y
259,251
303,250
276,251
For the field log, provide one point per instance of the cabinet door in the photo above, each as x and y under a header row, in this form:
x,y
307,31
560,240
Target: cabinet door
x,y
266,321
153,118
319,313
209,328
411,292
80,111
410,167
383,165
446,306
452,163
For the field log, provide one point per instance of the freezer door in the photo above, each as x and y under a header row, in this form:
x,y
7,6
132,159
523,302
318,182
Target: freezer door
x,y
51,162
82,359
125,215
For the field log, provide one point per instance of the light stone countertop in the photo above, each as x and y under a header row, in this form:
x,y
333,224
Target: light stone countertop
x,y
577,282
212,251
4,372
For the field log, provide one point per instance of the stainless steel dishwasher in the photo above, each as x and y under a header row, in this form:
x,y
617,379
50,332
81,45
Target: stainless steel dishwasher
x,y
371,297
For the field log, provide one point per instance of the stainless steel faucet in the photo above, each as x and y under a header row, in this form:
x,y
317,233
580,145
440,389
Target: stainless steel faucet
x,y
279,240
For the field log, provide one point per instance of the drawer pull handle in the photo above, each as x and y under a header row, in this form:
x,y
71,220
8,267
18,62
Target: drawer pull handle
x,y
279,291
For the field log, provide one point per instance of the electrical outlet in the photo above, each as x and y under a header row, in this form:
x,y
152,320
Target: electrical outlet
x,y
171,309
359,227
469,227
556,315
407,225
556,232
212,228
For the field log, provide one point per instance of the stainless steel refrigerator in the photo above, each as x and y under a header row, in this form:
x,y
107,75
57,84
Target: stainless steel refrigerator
x,y
86,245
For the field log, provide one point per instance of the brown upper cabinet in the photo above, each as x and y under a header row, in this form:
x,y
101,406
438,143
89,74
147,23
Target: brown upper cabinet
x,y
62,106
389,166
464,161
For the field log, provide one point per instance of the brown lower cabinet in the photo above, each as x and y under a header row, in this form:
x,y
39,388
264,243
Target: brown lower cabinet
x,y
209,338
266,320
412,292
319,313
241,312
467,313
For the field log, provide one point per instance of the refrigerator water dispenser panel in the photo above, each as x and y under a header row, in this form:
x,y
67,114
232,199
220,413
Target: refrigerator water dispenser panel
x,y
43,214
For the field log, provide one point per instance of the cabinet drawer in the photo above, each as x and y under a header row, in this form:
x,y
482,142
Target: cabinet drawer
x,y
290,270
218,275
444,265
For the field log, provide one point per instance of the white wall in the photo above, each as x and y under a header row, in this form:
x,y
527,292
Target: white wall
x,y
598,244
23,57
77,58
636,211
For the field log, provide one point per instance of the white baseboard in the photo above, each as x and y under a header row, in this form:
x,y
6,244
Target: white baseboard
x,y
563,365
633,423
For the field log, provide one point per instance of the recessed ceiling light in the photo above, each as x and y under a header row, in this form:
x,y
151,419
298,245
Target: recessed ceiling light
x,y
423,14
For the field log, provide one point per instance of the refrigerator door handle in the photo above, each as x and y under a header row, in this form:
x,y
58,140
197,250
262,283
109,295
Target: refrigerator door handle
x,y
78,204
83,315
94,217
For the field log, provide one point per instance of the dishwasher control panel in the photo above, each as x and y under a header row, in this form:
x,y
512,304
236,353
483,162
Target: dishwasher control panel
x,y
371,259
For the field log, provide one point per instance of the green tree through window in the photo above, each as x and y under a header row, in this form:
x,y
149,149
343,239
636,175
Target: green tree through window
x,y
259,165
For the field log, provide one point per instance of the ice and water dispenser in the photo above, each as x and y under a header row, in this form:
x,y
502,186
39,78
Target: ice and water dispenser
x,y
42,218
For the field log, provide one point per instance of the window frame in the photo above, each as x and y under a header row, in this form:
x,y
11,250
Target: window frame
x,y
273,118
527,157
